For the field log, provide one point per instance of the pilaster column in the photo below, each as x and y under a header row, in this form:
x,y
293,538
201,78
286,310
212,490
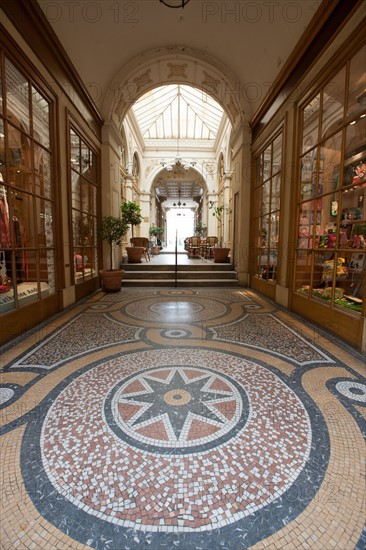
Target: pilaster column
x,y
211,220
145,211
226,214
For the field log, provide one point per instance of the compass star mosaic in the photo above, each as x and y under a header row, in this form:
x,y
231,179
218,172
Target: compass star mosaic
x,y
161,421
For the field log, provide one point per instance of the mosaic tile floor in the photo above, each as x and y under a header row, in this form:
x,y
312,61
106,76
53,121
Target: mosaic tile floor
x,y
188,419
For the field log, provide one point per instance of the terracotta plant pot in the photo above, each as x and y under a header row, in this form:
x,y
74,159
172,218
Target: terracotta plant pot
x,y
155,250
134,254
221,254
111,279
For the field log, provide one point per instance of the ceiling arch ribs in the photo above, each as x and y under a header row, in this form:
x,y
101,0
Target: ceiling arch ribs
x,y
176,65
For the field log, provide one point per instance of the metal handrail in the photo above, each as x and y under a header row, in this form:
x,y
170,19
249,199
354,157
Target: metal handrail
x,y
176,258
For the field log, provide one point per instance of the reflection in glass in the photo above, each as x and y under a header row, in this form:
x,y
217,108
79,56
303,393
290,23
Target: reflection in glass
x,y
17,96
276,189
7,280
272,265
41,118
85,195
331,153
75,151
277,155
84,158
259,170
357,84
19,160
22,225
333,104
2,148
311,124
75,190
265,231
266,197
42,170
356,138
267,164
308,175
275,227
44,221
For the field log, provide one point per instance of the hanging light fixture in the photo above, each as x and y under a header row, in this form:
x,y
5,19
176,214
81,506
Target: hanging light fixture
x,y
174,3
179,204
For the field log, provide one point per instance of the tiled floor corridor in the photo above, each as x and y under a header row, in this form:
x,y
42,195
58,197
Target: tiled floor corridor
x,y
182,419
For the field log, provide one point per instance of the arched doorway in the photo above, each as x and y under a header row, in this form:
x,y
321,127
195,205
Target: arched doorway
x,y
184,66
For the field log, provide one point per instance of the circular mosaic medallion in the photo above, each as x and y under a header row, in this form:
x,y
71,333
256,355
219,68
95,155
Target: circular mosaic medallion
x,y
167,441
176,333
180,410
5,394
183,309
352,389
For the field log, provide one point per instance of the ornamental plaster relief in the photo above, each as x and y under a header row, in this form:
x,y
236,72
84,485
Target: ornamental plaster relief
x,y
177,70
175,65
210,84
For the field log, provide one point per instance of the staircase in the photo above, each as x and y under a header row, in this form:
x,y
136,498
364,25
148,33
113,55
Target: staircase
x,y
201,274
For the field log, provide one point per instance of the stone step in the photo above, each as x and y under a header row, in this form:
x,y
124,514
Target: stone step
x,y
200,266
201,274
180,282
181,274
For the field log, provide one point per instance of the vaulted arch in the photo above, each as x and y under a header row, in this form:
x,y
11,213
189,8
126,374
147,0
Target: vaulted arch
x,y
174,65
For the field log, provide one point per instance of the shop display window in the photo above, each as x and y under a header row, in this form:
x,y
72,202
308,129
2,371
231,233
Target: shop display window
x,y
83,180
356,103
267,188
27,255
331,240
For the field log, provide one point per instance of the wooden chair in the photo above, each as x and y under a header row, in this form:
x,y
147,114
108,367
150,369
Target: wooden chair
x,y
194,247
142,242
211,242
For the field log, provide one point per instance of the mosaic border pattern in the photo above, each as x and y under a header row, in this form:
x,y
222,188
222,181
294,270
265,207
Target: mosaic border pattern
x,y
247,531
283,341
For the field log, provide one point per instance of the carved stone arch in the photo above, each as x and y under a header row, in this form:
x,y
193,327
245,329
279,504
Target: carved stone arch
x,y
175,65
154,172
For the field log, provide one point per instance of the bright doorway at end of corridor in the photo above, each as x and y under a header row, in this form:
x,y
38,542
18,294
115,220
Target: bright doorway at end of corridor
x,y
179,224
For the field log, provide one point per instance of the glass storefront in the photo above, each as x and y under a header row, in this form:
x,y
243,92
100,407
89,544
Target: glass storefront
x,y
267,190
27,254
83,162
331,235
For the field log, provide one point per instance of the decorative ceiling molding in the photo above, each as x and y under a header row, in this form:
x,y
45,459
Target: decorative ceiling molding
x,y
176,65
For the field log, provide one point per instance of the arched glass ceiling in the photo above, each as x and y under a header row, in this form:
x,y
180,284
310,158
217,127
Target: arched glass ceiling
x,y
178,112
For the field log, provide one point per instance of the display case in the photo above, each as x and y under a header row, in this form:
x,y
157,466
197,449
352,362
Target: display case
x,y
331,226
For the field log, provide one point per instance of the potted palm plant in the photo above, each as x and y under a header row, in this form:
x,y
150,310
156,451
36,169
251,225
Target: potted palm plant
x,y
131,214
220,253
200,229
155,231
112,230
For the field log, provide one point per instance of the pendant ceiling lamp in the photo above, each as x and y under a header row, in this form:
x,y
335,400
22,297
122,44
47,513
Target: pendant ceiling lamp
x,y
179,204
174,3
